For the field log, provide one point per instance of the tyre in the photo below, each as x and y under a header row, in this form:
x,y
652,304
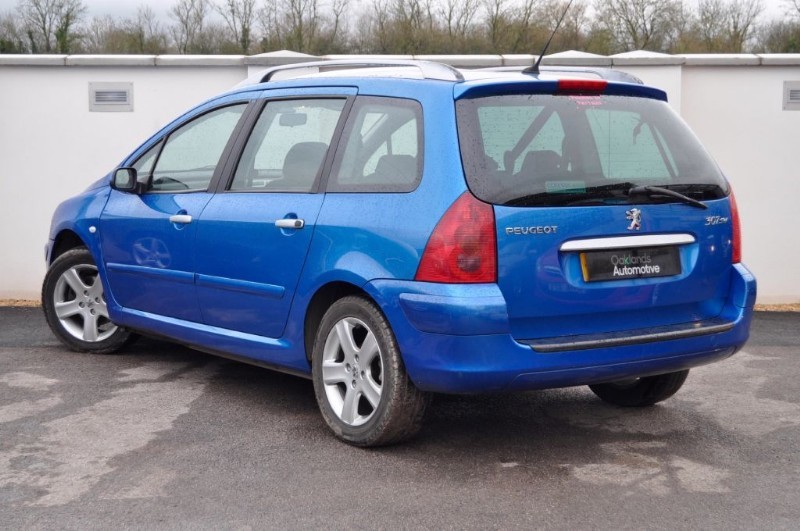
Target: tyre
x,y
640,392
75,306
360,381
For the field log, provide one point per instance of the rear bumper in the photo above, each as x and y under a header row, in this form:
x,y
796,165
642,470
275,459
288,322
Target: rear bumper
x,y
456,339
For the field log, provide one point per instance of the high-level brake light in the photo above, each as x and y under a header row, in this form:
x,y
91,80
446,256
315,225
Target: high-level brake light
x,y
582,86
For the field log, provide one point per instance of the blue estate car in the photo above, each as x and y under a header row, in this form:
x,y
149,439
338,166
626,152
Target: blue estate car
x,y
397,229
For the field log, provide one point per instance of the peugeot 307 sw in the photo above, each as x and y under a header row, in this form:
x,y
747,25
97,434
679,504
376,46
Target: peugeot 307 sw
x,y
399,229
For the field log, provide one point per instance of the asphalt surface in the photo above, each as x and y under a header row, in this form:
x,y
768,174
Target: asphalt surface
x,y
163,437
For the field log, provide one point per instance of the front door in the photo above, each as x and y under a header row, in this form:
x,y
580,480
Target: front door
x,y
148,239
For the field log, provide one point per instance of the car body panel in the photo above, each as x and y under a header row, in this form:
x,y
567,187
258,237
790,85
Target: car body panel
x,y
445,350
150,261
548,296
249,268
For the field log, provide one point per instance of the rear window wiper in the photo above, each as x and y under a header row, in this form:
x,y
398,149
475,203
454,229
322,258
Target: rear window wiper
x,y
655,191
593,194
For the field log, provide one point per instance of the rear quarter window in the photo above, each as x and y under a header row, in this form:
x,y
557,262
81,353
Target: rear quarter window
x,y
381,147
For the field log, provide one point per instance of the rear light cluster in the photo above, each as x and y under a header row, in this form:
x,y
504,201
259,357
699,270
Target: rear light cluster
x,y
736,242
463,246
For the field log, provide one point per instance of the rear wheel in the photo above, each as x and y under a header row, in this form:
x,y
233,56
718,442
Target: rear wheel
x,y
75,306
360,381
639,392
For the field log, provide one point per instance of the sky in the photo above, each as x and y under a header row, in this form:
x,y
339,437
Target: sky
x,y
127,8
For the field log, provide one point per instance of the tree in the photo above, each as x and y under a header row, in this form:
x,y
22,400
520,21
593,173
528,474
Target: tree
x,y
780,36
12,39
519,27
639,24
726,26
304,26
572,33
741,17
140,35
189,16
50,24
239,16
712,25
147,33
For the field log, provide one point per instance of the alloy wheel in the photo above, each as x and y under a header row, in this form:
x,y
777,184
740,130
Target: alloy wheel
x,y
352,371
80,304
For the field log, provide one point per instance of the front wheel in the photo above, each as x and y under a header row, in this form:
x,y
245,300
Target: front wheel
x,y
638,392
75,306
360,381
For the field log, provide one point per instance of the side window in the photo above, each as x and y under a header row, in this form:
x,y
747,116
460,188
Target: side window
x,y
627,147
192,152
383,147
288,145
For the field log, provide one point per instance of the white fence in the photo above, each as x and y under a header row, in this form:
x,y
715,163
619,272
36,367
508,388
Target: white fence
x,y
52,146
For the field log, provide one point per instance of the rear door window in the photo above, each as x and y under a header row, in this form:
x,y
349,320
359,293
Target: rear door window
x,y
288,146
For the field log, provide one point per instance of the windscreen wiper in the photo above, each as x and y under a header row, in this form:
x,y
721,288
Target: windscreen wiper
x,y
654,191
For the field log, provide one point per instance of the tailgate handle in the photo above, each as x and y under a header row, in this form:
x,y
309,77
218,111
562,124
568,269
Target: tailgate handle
x,y
290,223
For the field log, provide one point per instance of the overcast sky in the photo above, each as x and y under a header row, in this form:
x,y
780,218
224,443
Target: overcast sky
x,y
127,8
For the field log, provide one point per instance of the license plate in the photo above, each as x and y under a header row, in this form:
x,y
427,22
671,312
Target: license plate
x,y
624,264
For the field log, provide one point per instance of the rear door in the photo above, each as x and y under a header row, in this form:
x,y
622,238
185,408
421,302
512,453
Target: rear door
x,y
254,234
578,252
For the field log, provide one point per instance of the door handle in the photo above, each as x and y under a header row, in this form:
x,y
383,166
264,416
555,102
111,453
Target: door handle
x,y
290,223
183,219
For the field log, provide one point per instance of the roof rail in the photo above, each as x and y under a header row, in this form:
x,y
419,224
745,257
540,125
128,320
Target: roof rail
x,y
428,69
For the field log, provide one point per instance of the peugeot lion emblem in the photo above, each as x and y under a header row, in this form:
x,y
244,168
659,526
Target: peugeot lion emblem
x,y
634,215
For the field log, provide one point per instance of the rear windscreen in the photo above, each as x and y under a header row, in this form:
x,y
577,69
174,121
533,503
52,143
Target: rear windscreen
x,y
563,150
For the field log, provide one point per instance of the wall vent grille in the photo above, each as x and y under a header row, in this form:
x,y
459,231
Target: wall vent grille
x,y
791,95
110,97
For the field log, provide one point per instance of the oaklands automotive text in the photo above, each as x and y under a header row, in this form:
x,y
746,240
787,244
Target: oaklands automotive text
x,y
625,266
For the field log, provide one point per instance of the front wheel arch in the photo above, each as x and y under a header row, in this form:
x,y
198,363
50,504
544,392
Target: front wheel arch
x,y
66,240
75,305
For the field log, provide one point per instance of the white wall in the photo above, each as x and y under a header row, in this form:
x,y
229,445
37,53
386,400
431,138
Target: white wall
x,y
737,113
52,147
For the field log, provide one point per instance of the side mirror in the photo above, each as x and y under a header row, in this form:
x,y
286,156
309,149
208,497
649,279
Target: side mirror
x,y
124,180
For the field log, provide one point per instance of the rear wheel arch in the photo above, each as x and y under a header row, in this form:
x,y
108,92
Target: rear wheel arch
x,y
325,296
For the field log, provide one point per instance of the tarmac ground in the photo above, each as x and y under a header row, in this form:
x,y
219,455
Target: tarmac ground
x,y
164,437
